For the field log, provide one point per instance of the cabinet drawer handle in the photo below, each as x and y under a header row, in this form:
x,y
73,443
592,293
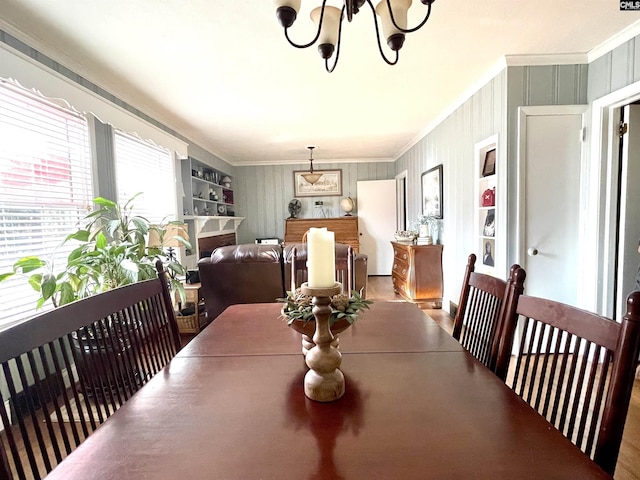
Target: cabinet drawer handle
x,y
395,252
395,266
404,256
404,271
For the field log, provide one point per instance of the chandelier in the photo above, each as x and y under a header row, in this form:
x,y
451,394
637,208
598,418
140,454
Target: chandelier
x,y
392,13
310,176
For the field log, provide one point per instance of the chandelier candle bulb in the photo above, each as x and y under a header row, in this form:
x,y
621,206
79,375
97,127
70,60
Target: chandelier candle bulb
x,y
321,258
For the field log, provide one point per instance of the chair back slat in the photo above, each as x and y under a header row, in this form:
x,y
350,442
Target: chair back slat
x,y
64,372
344,261
576,368
481,309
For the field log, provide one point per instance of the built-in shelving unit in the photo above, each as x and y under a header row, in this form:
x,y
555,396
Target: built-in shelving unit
x,y
207,191
488,245
208,208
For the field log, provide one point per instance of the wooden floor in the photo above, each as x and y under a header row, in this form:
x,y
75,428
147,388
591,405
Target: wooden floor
x,y
628,467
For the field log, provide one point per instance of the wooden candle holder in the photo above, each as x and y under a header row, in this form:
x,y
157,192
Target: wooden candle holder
x,y
324,382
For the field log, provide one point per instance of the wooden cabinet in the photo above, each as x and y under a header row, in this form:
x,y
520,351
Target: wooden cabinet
x,y
417,273
345,229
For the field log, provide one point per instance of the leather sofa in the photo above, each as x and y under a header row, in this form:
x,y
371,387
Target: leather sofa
x,y
258,273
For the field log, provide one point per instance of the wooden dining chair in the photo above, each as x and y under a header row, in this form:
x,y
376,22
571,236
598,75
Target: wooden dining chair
x,y
296,257
64,372
478,320
575,368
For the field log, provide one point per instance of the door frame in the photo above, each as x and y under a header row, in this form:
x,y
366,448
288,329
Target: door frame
x,y
521,163
603,178
402,220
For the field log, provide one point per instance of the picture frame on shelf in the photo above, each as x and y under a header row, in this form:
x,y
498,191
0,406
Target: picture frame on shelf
x,y
432,196
487,252
489,229
489,166
329,184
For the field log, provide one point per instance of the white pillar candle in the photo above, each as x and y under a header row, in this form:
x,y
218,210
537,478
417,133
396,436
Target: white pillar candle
x,y
321,258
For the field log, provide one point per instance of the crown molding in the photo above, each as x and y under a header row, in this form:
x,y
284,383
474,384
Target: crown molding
x,y
316,162
616,40
545,59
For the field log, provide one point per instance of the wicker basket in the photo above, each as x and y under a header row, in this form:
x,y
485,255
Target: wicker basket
x,y
188,323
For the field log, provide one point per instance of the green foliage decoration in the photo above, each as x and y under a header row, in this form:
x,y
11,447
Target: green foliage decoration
x,y
112,251
298,306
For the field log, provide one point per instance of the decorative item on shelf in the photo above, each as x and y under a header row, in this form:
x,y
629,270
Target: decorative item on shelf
x,y
489,197
393,19
346,204
225,181
427,227
222,209
405,236
318,209
295,206
489,228
489,167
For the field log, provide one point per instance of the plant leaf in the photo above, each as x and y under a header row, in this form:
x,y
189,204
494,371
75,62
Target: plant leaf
x,y
48,286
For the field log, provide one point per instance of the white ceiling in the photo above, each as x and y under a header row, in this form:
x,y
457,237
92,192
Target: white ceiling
x,y
221,73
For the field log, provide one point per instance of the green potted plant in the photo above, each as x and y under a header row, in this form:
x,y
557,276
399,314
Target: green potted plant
x,y
112,252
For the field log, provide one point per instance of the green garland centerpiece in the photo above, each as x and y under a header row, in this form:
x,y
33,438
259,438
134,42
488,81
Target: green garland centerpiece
x,y
298,306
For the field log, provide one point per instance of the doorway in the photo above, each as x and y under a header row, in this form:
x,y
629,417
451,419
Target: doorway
x,y
549,191
401,201
614,166
628,206
376,223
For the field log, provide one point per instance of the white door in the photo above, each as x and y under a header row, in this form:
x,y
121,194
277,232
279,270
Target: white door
x,y
629,226
377,223
550,151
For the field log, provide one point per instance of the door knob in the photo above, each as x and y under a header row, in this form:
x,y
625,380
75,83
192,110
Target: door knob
x,y
532,252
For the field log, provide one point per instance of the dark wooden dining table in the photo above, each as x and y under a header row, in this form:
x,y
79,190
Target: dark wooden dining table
x,y
231,405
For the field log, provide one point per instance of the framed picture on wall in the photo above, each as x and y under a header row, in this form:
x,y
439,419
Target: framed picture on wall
x,y
330,183
489,167
432,192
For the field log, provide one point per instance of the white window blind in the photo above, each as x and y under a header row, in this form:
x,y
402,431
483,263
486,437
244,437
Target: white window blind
x,y
45,188
144,167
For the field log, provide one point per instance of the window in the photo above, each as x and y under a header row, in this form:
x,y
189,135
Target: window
x,y
144,167
45,188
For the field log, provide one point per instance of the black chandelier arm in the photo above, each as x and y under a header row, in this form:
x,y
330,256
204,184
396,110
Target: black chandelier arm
x,y
335,62
409,30
306,45
375,23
